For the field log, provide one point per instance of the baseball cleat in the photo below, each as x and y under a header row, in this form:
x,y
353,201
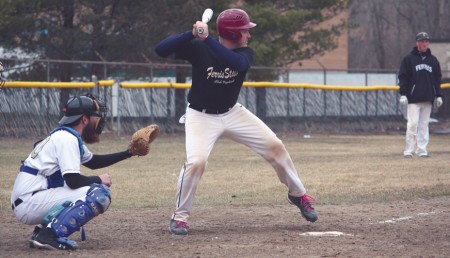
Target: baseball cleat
x,y
34,235
178,227
304,203
46,239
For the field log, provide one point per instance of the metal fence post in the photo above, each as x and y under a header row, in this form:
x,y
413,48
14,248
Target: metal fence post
x,y
118,108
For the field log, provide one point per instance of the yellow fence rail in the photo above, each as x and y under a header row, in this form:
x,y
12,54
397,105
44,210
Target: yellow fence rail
x,y
141,85
66,85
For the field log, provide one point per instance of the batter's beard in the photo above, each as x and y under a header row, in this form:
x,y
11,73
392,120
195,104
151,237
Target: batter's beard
x,y
88,134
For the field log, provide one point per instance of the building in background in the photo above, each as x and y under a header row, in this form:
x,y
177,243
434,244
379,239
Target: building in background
x,y
333,59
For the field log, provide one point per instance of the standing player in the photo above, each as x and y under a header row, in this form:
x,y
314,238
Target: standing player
x,y
218,71
50,190
420,85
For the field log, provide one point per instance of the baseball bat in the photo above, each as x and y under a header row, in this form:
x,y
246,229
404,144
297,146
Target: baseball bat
x,y
206,17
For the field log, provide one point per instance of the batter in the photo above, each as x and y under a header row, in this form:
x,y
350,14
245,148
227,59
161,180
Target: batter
x,y
219,68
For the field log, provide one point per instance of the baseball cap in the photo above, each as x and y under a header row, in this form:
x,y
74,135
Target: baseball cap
x,y
422,35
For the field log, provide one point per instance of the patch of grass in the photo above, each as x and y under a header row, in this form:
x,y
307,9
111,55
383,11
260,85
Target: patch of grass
x,y
334,169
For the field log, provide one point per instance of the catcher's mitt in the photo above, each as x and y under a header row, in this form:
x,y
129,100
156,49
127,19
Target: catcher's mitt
x,y
141,139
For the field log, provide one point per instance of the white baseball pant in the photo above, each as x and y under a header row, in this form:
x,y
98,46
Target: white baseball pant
x,y
417,133
239,125
35,207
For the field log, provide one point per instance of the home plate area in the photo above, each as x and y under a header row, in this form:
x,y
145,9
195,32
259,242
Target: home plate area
x,y
325,233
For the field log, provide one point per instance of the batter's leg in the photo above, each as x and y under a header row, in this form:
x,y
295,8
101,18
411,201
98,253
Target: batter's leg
x,y
202,131
244,127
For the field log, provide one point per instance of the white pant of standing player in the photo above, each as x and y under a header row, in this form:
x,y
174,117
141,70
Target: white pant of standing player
x,y
239,125
35,207
417,133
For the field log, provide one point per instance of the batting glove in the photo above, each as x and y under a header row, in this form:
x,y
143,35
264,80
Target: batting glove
x,y
403,100
200,30
439,101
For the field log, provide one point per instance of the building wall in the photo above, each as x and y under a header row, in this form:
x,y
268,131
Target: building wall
x,y
333,59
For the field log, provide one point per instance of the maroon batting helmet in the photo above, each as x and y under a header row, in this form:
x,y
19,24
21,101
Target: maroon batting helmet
x,y
231,21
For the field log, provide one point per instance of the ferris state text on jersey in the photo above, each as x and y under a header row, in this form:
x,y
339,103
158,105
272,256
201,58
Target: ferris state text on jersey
x,y
420,67
227,74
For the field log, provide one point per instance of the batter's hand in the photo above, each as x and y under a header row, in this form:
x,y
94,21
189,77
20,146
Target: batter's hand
x,y
203,27
106,179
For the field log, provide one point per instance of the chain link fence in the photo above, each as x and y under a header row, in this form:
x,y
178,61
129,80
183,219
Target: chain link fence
x,y
35,111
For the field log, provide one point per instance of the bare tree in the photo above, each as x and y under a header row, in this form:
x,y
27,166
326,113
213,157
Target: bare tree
x,y
383,31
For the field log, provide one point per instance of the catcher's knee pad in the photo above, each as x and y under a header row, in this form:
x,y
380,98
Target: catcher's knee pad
x,y
100,196
78,213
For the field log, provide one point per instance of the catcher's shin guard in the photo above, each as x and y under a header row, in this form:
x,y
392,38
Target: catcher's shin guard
x,y
78,213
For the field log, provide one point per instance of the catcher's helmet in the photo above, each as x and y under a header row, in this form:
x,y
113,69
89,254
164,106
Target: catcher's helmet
x,y
231,21
88,105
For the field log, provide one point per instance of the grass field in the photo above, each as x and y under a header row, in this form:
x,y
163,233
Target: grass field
x,y
385,205
335,169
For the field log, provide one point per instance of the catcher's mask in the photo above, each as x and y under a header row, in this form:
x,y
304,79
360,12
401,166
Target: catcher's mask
x,y
88,105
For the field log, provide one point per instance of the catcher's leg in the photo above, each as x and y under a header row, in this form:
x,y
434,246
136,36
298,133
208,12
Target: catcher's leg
x,y
68,218
78,213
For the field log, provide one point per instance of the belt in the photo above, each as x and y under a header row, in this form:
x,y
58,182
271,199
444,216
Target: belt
x,y
29,170
19,201
209,110
16,203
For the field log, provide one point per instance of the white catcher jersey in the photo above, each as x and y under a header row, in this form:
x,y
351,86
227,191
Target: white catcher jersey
x,y
58,152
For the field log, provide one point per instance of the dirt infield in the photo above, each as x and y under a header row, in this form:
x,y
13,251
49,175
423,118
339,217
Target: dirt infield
x,y
397,229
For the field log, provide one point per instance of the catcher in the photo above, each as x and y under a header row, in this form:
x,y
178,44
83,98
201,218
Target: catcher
x,y
50,191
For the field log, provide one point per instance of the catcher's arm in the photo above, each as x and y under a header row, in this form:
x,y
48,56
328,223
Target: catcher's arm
x,y
141,140
101,161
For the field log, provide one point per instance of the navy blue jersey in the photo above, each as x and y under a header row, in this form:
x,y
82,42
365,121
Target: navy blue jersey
x,y
420,77
217,72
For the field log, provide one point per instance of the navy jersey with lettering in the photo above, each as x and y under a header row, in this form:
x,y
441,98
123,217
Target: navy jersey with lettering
x,y
217,72
420,77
